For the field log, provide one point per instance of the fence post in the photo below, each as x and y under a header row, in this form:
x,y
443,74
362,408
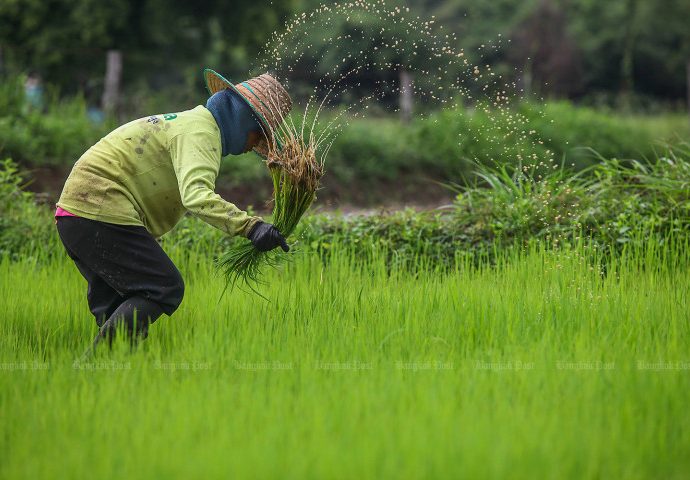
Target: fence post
x,y
687,81
406,99
113,73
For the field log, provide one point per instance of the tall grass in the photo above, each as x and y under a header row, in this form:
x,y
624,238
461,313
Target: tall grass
x,y
541,366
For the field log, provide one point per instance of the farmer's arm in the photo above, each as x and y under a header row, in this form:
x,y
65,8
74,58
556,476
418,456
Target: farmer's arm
x,y
196,160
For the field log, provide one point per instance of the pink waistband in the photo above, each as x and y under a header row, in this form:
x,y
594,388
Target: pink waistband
x,y
60,212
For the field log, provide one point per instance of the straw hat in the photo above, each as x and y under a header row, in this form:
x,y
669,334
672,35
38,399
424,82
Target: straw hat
x,y
265,95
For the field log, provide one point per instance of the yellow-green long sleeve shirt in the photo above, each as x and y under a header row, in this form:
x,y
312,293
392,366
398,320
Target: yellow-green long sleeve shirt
x,y
150,171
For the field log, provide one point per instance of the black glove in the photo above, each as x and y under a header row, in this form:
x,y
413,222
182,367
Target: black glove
x,y
266,237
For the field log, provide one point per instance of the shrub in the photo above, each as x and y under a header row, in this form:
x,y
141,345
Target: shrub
x,y
574,132
57,135
374,151
610,205
445,145
25,227
613,205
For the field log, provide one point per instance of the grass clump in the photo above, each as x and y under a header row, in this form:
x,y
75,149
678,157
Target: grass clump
x,y
610,205
26,228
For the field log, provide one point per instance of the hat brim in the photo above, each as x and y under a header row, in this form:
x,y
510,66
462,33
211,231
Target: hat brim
x,y
261,148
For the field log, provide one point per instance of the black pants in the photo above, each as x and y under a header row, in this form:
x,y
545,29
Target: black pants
x,y
131,280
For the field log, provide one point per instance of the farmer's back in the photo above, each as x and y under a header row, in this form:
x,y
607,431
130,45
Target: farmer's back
x,y
150,171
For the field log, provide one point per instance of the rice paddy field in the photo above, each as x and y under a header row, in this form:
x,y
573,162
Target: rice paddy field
x,y
548,364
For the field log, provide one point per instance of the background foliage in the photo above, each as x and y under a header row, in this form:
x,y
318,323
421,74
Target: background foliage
x,y
612,205
622,51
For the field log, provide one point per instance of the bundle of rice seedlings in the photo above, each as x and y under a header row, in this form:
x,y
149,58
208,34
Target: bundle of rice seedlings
x,y
296,171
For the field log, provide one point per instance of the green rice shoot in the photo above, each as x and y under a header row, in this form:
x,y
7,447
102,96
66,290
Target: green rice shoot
x,y
296,170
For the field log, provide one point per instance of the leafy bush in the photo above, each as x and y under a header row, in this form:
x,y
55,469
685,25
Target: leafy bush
x,y
25,227
57,135
447,144
576,131
610,205
371,151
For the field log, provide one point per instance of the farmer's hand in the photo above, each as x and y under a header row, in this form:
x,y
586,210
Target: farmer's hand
x,y
266,237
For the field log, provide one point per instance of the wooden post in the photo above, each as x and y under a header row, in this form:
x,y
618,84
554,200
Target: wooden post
x,y
527,80
406,98
687,81
113,74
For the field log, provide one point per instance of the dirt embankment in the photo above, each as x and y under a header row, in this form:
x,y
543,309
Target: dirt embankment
x,y
410,191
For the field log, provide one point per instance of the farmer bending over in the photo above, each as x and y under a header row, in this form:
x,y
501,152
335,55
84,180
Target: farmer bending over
x,y
138,181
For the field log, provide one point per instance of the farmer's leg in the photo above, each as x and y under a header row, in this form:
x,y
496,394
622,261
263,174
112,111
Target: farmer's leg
x,y
130,261
135,314
102,298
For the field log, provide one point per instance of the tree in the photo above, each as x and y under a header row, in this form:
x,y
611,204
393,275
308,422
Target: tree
x,y
162,42
545,53
662,53
383,51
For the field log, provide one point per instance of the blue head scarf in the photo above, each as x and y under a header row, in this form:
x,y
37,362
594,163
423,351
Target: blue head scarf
x,y
235,120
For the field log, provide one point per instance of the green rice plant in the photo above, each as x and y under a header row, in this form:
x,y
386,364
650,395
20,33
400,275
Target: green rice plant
x,y
296,170
538,365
